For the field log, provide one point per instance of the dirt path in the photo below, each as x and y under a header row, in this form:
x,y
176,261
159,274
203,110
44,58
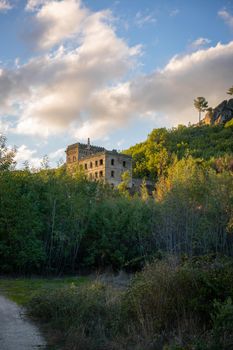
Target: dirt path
x,y
16,332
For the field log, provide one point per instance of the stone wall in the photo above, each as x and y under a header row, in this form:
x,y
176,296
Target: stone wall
x,y
98,163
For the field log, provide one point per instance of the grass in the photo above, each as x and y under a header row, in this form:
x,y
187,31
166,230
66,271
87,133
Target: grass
x,y
22,290
169,305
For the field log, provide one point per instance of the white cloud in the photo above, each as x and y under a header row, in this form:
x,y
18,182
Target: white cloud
x,y
33,5
83,90
144,18
55,21
56,91
4,127
169,93
58,154
227,17
174,13
5,5
200,42
24,154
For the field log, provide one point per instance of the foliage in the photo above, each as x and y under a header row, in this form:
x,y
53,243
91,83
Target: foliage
x,y
152,158
201,105
6,155
230,91
52,222
22,290
222,318
171,304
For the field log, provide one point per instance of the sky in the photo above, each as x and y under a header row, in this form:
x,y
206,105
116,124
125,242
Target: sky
x,y
108,70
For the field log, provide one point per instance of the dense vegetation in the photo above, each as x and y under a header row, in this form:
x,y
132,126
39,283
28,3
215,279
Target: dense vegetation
x,y
153,157
170,305
181,238
51,222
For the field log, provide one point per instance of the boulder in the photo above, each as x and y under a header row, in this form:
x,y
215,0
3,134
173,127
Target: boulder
x,y
221,114
208,118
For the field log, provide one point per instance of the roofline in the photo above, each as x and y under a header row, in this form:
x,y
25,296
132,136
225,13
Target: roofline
x,y
83,144
103,153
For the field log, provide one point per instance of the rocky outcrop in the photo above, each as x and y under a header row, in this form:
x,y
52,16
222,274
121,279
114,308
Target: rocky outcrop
x,y
220,114
208,118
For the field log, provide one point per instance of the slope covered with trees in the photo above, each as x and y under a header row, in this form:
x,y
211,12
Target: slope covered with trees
x,y
52,222
212,144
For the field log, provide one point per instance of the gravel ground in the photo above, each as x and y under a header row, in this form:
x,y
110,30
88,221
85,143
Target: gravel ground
x,y
16,332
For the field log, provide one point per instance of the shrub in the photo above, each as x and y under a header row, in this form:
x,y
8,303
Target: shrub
x,y
169,305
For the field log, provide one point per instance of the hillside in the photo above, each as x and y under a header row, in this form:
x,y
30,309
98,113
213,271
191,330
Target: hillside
x,y
153,156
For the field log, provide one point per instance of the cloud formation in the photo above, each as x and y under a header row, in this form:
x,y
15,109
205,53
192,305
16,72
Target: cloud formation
x,y
227,17
55,21
142,19
170,92
5,6
53,92
24,154
85,90
200,42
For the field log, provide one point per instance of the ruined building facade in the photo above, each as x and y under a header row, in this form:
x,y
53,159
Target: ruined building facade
x,y
98,163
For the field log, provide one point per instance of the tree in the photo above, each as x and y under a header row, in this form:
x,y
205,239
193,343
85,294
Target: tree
x,y
125,183
201,105
230,91
6,155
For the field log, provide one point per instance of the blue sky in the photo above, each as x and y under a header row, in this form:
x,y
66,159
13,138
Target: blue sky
x,y
111,70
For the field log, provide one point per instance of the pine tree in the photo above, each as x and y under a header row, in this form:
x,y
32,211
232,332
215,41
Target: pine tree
x,y
201,105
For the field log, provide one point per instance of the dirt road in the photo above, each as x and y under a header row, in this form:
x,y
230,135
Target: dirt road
x,y
16,332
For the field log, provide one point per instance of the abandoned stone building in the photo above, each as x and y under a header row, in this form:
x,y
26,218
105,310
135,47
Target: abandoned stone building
x,y
98,163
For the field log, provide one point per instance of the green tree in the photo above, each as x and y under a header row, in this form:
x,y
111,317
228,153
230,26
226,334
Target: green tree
x,y
230,91
123,187
6,155
201,105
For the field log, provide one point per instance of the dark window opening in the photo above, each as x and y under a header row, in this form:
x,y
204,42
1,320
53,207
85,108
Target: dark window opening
x,y
124,163
86,166
112,173
96,175
96,163
101,173
101,161
112,161
91,165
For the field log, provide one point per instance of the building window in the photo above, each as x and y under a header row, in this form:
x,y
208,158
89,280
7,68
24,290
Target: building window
x,y
101,173
96,175
74,158
112,173
85,166
96,163
101,161
112,161
91,165
124,163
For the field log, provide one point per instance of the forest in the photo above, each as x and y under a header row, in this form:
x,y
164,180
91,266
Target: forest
x,y
52,222
177,243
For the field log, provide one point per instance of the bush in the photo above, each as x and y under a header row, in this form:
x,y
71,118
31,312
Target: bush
x,y
84,312
169,305
169,299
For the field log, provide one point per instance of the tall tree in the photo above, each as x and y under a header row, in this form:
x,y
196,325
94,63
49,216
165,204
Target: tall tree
x,y
201,105
230,91
6,155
